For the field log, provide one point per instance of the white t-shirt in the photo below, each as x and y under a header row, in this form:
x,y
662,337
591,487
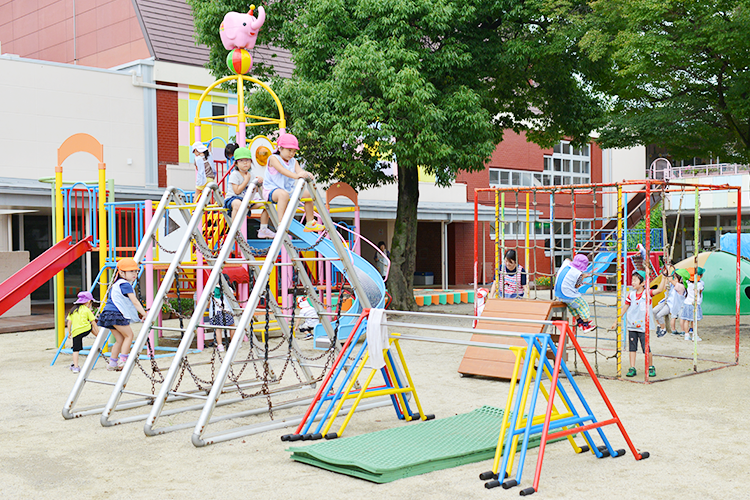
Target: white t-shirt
x,y
236,178
691,293
311,316
637,306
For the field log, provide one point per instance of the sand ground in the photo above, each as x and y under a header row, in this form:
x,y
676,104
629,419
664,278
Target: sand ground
x,y
695,429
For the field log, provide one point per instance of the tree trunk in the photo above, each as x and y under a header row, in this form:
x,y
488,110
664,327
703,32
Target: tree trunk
x,y
404,243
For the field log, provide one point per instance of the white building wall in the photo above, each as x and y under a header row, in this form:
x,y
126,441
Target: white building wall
x,y
621,165
45,103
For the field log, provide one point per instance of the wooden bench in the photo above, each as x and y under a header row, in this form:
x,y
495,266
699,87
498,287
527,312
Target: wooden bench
x,y
497,363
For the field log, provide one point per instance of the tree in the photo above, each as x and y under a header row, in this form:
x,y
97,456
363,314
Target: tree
x,y
431,85
678,74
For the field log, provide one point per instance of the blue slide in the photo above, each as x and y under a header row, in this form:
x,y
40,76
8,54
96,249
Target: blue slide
x,y
601,263
369,277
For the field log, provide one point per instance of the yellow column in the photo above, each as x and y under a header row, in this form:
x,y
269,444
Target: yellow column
x,y
102,230
59,278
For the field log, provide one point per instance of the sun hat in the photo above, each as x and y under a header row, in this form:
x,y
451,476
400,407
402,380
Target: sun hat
x,y
287,141
84,297
580,262
242,154
683,273
198,145
640,274
301,301
127,264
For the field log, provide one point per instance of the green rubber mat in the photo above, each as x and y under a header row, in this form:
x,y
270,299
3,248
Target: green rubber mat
x,y
410,450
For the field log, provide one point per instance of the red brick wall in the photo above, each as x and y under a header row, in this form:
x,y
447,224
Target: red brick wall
x,y
514,152
166,131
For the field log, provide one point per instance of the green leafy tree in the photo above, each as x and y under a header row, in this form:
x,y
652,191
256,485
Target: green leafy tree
x,y
677,74
426,84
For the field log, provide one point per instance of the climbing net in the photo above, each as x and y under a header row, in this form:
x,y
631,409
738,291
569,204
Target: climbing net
x,y
613,225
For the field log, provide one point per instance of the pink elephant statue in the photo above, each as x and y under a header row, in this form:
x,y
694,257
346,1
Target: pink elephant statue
x,y
239,31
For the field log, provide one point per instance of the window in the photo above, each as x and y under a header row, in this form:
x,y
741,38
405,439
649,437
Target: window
x,y
569,161
512,178
218,110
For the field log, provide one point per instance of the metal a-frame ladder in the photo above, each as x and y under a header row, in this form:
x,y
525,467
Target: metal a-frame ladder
x,y
171,196
282,239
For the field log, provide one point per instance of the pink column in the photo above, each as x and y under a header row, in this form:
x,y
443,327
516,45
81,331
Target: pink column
x,y
198,293
241,136
148,210
329,277
358,228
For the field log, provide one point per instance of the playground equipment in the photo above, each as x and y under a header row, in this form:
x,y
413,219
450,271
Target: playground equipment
x,y
499,363
531,363
552,232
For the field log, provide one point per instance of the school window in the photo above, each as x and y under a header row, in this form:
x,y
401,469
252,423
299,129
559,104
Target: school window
x,y
568,165
218,110
501,177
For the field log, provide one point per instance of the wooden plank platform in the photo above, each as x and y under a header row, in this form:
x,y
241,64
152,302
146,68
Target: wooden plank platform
x,y
496,363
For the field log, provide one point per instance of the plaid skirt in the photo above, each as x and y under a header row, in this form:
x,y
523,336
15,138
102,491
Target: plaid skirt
x,y
222,318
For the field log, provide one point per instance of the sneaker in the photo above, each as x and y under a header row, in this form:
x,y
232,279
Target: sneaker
x,y
76,369
71,367
588,326
266,233
113,368
309,336
676,332
220,347
652,371
687,336
696,337
660,332
120,363
631,372
313,227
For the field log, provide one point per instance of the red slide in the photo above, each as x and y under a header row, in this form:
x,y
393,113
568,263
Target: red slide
x,y
40,270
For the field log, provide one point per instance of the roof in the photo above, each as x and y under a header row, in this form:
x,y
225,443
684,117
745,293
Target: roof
x,y
169,31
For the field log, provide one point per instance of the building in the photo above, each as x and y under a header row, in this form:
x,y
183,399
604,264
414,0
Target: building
x,y
129,73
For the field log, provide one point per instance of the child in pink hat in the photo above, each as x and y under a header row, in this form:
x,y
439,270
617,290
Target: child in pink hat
x,y
567,282
283,170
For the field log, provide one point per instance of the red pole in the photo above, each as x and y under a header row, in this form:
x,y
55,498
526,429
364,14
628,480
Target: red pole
x,y
563,328
647,266
324,383
476,248
737,291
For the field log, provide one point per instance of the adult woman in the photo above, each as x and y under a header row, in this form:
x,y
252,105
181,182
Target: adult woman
x,y
513,279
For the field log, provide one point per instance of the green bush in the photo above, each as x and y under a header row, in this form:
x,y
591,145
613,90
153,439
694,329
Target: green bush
x,y
543,281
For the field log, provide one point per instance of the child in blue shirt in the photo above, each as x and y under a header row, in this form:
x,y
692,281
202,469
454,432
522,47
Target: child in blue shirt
x,y
569,278
121,309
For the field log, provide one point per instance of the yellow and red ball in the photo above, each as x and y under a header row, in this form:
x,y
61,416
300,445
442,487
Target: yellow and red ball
x,y
239,61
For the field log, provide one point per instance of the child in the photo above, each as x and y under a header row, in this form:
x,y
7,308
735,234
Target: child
x,y
204,168
381,259
221,315
640,302
670,304
238,181
283,170
81,322
310,316
513,280
569,278
229,150
121,309
693,297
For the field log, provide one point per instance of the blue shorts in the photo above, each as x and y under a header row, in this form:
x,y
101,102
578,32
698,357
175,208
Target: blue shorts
x,y
270,194
228,201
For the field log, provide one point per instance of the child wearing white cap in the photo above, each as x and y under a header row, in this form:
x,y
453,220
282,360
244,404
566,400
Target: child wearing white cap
x,y
204,168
